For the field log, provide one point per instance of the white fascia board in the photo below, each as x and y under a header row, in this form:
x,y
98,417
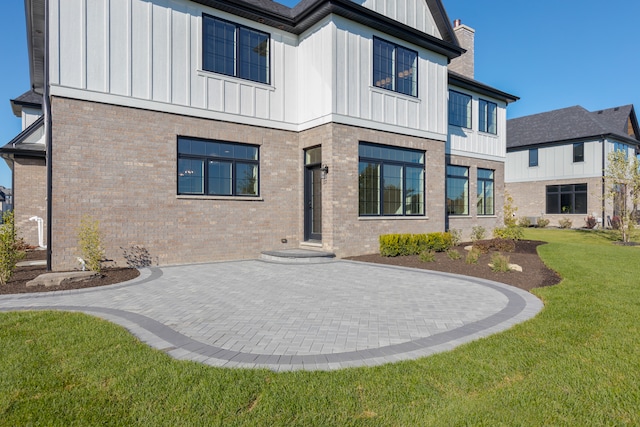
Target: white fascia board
x,y
476,155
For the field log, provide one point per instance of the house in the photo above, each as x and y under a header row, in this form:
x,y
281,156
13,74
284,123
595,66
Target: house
x,y
213,129
556,161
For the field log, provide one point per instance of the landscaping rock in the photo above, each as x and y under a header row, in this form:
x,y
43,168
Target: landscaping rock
x,y
57,279
512,267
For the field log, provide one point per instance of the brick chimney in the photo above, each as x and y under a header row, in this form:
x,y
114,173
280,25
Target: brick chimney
x,y
464,64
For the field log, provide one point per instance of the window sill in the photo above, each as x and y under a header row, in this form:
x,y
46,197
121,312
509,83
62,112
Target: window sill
x,y
392,217
494,135
383,91
204,73
230,198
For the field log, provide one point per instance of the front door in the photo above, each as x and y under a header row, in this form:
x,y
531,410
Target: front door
x,y
313,196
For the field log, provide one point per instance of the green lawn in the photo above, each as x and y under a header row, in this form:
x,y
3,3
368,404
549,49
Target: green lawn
x,y
576,363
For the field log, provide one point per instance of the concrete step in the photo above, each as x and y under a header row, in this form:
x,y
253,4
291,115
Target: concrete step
x,y
302,256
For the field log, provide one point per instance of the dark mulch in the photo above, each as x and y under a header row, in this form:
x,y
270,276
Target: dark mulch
x,y
18,282
534,273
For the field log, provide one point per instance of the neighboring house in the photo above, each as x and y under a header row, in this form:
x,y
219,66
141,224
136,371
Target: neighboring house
x,y
6,199
207,130
556,161
25,155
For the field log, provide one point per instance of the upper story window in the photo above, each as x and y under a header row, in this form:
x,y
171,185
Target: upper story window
x,y
533,157
217,168
488,116
578,152
619,146
395,67
390,180
235,50
459,109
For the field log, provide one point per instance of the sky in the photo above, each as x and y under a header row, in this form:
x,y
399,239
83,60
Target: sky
x,y
550,53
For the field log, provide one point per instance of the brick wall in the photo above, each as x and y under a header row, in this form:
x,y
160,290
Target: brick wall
x,y
30,197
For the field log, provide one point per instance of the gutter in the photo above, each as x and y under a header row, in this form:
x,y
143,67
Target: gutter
x,y
47,130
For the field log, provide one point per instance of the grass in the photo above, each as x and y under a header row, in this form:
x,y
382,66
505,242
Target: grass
x,y
576,363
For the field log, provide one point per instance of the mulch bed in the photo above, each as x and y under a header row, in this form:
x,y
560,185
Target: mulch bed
x,y
535,273
18,282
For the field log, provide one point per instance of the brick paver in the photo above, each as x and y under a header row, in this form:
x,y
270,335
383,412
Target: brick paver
x,y
297,316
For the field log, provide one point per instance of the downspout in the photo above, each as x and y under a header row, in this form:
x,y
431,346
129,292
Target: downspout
x,y
47,129
602,140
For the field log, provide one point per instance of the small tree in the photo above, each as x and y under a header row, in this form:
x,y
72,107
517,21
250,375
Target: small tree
x,y
623,189
10,252
90,243
511,229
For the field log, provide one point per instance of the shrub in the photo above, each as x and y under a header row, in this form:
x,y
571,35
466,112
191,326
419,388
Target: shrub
x,y
456,236
472,256
439,242
543,222
565,223
512,233
615,223
478,232
427,256
524,222
90,243
500,245
590,221
500,263
10,252
453,254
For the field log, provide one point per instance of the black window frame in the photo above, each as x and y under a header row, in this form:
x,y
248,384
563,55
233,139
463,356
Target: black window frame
x,y
207,158
484,118
533,159
395,79
484,180
453,115
578,152
380,163
238,66
569,191
451,176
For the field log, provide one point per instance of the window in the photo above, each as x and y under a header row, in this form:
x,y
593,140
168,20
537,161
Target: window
x,y
457,190
217,168
395,67
485,192
567,199
488,116
235,50
390,180
533,157
459,109
578,152
619,146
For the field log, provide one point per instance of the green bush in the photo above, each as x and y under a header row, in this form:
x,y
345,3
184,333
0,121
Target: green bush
x,y
472,256
413,244
542,222
427,256
10,252
90,243
500,263
453,254
478,232
565,223
510,232
456,236
524,222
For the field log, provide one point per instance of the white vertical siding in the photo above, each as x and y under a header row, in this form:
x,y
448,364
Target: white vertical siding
x,y
554,162
472,142
413,13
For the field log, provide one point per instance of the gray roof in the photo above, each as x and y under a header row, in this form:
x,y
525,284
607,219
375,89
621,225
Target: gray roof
x,y
27,99
456,79
572,124
17,145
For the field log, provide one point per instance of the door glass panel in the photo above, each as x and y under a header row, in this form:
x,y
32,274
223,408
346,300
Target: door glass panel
x,y
316,201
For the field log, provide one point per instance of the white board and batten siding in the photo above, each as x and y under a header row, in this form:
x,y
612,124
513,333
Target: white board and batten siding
x,y
148,55
415,14
554,162
472,142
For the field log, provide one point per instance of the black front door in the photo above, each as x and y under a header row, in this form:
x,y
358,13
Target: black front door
x,y
313,203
